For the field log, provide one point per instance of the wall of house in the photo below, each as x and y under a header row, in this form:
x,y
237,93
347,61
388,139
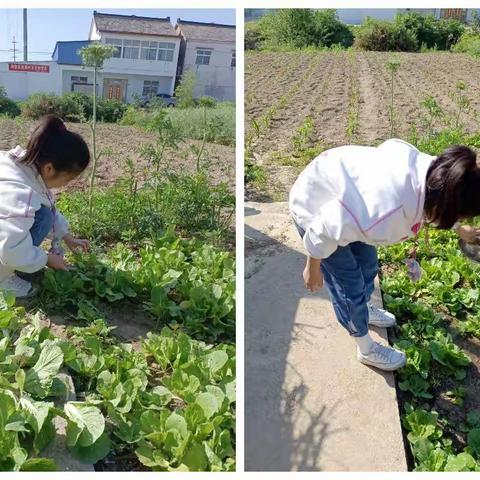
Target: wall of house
x,y
139,66
20,85
216,79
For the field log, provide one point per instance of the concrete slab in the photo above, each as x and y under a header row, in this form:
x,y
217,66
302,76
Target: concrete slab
x,y
310,406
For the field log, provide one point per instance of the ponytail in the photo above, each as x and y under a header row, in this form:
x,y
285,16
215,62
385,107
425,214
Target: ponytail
x,y
453,187
51,142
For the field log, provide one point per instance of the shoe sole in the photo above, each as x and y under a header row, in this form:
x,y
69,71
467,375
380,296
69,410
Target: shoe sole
x,y
390,368
383,324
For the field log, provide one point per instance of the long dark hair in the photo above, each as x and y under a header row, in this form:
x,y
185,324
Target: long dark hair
x,y
52,142
453,187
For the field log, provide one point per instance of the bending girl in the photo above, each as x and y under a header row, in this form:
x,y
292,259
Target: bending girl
x,y
351,199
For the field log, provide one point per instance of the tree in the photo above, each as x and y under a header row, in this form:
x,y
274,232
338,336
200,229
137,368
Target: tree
x,y
185,89
94,56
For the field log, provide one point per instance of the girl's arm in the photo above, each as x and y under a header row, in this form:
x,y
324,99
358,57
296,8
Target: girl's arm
x,y
312,275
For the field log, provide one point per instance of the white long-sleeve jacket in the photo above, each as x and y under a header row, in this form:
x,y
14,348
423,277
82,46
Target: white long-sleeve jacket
x,y
22,193
373,195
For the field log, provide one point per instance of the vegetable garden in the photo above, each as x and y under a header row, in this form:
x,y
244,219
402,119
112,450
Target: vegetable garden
x,y
326,99
127,361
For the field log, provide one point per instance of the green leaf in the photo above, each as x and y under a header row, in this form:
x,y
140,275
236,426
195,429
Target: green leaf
x,y
463,462
39,378
37,412
195,458
209,404
94,452
474,441
39,465
85,425
216,360
178,423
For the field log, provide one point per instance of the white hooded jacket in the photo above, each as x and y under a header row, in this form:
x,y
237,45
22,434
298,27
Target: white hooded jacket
x,y
22,193
373,195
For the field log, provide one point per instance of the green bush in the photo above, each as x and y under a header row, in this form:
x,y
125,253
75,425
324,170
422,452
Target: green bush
x,y
303,27
8,107
469,43
188,202
110,110
40,104
383,36
254,37
409,32
72,106
190,121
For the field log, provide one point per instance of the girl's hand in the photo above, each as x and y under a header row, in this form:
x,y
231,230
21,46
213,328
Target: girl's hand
x,y
56,262
76,244
312,275
468,234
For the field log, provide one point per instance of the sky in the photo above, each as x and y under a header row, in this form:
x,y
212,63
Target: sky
x,y
47,26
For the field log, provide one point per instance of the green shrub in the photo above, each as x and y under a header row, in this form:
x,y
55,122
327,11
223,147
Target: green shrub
x,y
254,37
110,110
188,202
189,121
303,27
430,32
40,104
72,106
383,36
185,89
8,107
469,43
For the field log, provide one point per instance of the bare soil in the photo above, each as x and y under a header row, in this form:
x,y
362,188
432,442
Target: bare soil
x,y
319,85
121,142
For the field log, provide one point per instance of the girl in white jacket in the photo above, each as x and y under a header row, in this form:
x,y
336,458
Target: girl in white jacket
x,y
351,199
54,156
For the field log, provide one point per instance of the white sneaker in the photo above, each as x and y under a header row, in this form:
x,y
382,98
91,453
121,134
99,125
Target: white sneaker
x,y
380,317
20,288
383,357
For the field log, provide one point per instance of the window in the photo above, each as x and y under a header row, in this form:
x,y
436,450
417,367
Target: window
x,y
131,49
165,51
150,88
116,43
79,79
203,56
233,62
149,51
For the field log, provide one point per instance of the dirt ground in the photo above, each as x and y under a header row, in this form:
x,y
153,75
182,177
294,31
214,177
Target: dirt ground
x,y
320,86
121,142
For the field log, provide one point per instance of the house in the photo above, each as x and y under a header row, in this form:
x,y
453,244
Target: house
x,y
208,49
150,58
145,61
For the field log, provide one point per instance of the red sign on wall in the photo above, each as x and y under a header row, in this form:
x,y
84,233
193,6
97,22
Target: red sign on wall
x,y
28,67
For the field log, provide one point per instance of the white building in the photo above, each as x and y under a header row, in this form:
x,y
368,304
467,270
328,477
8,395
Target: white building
x,y
150,57
209,50
146,59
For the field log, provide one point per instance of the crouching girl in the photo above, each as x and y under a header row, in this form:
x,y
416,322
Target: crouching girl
x,y
54,156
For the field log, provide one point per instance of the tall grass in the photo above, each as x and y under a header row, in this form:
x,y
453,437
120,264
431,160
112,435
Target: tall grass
x,y
190,122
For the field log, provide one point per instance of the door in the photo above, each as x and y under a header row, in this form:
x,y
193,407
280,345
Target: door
x,y
114,88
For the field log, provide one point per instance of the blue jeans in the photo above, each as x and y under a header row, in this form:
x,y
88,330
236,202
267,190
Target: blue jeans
x,y
349,274
42,225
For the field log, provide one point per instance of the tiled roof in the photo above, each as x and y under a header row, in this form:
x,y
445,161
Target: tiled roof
x,y
206,31
107,22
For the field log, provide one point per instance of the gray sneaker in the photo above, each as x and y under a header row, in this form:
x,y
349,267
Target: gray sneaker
x,y
20,288
380,317
383,357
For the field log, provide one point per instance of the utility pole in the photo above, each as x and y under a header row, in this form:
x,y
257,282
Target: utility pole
x,y
25,34
14,49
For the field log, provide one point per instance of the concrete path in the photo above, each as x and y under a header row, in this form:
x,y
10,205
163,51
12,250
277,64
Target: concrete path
x,y
309,404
